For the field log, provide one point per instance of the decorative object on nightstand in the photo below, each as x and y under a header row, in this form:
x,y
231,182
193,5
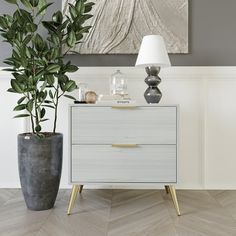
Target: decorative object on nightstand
x,y
90,97
118,84
153,56
113,100
82,89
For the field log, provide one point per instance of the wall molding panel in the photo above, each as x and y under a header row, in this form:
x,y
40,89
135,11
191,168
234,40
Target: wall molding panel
x,y
206,95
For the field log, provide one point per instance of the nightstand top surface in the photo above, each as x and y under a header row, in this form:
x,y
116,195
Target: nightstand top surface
x,y
123,105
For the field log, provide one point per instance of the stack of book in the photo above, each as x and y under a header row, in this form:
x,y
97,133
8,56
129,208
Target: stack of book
x,y
114,100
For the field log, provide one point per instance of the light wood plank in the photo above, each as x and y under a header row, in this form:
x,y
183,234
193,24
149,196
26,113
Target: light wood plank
x,y
122,212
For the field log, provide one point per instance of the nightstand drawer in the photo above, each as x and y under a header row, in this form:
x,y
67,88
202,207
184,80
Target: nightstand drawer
x,y
133,164
107,125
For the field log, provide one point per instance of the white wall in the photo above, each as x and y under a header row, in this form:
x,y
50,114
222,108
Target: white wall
x,y
207,98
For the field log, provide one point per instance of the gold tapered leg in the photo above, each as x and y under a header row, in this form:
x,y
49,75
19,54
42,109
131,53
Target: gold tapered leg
x,y
81,188
73,197
167,189
174,198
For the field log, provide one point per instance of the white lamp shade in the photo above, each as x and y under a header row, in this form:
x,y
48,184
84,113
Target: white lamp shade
x,y
153,52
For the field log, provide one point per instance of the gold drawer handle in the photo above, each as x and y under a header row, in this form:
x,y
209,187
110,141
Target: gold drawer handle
x,y
123,145
124,107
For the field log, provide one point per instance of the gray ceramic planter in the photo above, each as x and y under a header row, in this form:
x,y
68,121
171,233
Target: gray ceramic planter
x,y
40,164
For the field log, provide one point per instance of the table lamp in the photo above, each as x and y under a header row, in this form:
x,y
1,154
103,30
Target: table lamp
x,y
153,55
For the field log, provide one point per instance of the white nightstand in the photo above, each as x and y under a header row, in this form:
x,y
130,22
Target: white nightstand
x,y
123,144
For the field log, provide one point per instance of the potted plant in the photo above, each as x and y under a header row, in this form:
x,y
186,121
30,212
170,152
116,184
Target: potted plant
x,y
39,75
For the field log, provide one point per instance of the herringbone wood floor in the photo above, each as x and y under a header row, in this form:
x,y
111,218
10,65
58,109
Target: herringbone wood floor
x,y
122,213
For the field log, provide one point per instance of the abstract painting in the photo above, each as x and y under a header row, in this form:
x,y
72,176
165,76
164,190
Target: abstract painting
x,y
119,25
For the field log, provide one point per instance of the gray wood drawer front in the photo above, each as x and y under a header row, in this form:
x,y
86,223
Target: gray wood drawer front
x,y
140,164
140,125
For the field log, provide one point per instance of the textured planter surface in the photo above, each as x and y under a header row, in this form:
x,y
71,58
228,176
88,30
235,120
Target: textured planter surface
x,y
40,164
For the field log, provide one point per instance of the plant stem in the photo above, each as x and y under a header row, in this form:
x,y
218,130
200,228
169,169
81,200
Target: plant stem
x,y
36,112
34,73
32,122
31,114
56,110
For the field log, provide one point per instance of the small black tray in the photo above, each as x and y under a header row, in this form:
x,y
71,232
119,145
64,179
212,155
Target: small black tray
x,y
79,102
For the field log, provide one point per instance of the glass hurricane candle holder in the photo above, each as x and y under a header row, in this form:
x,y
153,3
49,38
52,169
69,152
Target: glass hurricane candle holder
x,y
118,84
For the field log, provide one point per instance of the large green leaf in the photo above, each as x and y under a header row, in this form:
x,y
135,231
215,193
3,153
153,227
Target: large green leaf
x,y
39,42
31,27
27,52
53,68
42,113
42,95
30,105
22,116
63,78
20,78
16,54
9,69
11,90
71,40
34,3
27,39
73,11
85,29
58,17
71,68
21,100
11,1
40,72
38,128
41,4
9,18
44,85
86,17
43,8
80,7
26,3
32,52
27,17
12,62
51,95
47,101
54,53
20,107
55,39
49,25
16,86
43,120
9,62
70,86
88,7
50,79
70,97
64,25
18,18
3,22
